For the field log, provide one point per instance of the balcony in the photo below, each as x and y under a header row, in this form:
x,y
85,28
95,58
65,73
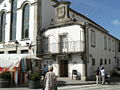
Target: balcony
x,y
63,47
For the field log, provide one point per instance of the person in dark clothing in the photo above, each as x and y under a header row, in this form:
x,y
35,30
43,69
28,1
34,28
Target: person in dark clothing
x,y
45,70
98,76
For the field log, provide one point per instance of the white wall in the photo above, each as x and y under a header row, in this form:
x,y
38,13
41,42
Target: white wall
x,y
74,33
19,21
7,5
75,64
98,52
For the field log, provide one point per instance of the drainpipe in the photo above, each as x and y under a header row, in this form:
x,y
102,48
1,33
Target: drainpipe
x,y
38,28
39,25
85,53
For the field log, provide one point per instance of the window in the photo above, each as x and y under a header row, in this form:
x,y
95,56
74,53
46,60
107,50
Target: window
x,y
118,46
13,20
93,38
24,51
105,61
109,61
105,42
117,61
1,52
113,46
25,22
2,29
109,44
12,52
101,62
45,44
93,61
63,43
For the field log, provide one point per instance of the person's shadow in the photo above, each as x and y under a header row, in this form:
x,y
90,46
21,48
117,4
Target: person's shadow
x,y
61,83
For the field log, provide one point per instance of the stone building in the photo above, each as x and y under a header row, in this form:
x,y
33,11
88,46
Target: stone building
x,y
20,24
74,44
62,37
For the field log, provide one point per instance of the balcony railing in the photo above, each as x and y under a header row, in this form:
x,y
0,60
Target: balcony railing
x,y
64,47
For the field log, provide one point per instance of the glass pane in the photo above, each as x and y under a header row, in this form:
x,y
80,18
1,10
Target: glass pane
x,y
14,5
3,23
13,20
25,31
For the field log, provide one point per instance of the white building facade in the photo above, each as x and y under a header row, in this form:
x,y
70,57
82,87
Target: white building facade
x,y
21,22
59,35
75,43
103,49
20,25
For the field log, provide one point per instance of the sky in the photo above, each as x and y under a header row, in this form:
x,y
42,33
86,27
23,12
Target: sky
x,y
106,13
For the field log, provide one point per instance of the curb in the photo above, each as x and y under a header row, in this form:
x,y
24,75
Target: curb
x,y
74,83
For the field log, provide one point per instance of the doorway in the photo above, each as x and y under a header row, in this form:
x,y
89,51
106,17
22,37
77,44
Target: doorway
x,y
63,68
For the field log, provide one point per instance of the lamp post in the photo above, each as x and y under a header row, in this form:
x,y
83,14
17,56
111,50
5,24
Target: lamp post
x,y
16,43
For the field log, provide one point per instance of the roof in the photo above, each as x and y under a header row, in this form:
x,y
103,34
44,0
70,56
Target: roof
x,y
91,21
81,15
62,2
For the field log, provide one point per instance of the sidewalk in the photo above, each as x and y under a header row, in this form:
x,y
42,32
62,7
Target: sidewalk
x,y
62,82
69,81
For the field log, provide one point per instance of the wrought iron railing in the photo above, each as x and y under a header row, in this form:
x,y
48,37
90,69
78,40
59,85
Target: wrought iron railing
x,y
64,47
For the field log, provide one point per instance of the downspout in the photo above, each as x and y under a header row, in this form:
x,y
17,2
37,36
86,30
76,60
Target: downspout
x,y
85,53
39,25
87,49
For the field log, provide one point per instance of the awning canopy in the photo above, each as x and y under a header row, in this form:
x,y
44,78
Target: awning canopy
x,y
11,60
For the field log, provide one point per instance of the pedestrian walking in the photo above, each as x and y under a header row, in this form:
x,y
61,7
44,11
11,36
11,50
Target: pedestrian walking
x,y
103,75
45,70
50,80
98,76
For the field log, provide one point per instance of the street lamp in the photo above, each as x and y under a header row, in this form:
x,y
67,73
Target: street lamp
x,y
16,45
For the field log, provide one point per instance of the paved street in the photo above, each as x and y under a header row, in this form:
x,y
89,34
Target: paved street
x,y
68,84
92,87
113,86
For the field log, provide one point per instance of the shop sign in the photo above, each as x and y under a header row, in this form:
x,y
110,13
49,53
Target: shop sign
x,y
10,45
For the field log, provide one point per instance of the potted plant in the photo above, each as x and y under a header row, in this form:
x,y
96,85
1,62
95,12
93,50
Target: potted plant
x,y
34,80
5,78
